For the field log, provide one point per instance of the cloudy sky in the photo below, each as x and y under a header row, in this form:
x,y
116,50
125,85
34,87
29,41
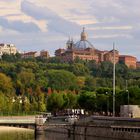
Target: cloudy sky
x,y
47,24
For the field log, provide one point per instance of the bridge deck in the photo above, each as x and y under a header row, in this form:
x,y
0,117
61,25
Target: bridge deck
x,y
17,120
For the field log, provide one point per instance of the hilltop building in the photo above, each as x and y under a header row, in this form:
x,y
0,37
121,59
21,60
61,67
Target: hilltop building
x,y
29,54
7,49
138,64
44,54
34,54
130,61
84,50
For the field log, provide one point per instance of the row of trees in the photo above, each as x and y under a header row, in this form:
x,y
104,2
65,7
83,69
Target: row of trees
x,y
24,85
99,101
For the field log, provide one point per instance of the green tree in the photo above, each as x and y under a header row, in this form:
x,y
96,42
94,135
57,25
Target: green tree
x,y
72,100
11,57
40,99
55,102
103,90
61,80
90,83
26,106
25,80
87,100
107,69
28,78
79,69
101,103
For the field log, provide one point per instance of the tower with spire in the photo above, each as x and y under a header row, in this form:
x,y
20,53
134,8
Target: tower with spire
x,y
70,43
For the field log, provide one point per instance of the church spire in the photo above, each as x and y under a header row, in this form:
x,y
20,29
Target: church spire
x,y
83,29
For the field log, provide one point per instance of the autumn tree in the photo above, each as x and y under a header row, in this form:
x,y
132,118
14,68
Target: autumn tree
x,y
6,85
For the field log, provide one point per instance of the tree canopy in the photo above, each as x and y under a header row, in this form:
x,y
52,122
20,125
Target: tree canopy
x,y
33,85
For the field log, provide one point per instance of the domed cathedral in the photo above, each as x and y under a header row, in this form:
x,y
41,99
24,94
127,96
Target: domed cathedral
x,y
84,50
84,43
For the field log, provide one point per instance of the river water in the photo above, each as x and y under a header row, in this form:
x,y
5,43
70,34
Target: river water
x,y
26,134
60,136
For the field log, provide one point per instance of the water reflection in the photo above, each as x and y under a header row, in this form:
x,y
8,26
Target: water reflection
x,y
60,136
26,134
16,134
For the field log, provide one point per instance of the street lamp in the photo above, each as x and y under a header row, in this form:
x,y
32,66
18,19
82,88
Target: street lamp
x,y
107,103
114,78
127,91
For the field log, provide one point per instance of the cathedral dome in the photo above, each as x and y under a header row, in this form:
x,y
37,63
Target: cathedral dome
x,y
83,43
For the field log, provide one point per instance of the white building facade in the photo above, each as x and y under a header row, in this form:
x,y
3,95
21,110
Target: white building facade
x,y
7,49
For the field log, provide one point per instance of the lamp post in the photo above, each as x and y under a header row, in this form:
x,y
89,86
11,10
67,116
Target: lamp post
x,y
114,83
127,91
107,103
127,97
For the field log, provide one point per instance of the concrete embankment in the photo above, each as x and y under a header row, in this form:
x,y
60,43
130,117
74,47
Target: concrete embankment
x,y
118,128
117,132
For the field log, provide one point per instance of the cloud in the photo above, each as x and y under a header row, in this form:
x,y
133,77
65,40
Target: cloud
x,y
18,25
8,0
11,15
136,33
116,10
54,21
46,24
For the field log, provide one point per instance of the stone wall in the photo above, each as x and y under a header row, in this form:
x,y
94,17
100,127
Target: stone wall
x,y
118,132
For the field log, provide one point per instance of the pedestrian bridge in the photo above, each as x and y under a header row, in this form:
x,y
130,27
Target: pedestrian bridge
x,y
16,121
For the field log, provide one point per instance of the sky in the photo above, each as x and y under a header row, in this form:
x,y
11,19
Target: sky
x,y
34,25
